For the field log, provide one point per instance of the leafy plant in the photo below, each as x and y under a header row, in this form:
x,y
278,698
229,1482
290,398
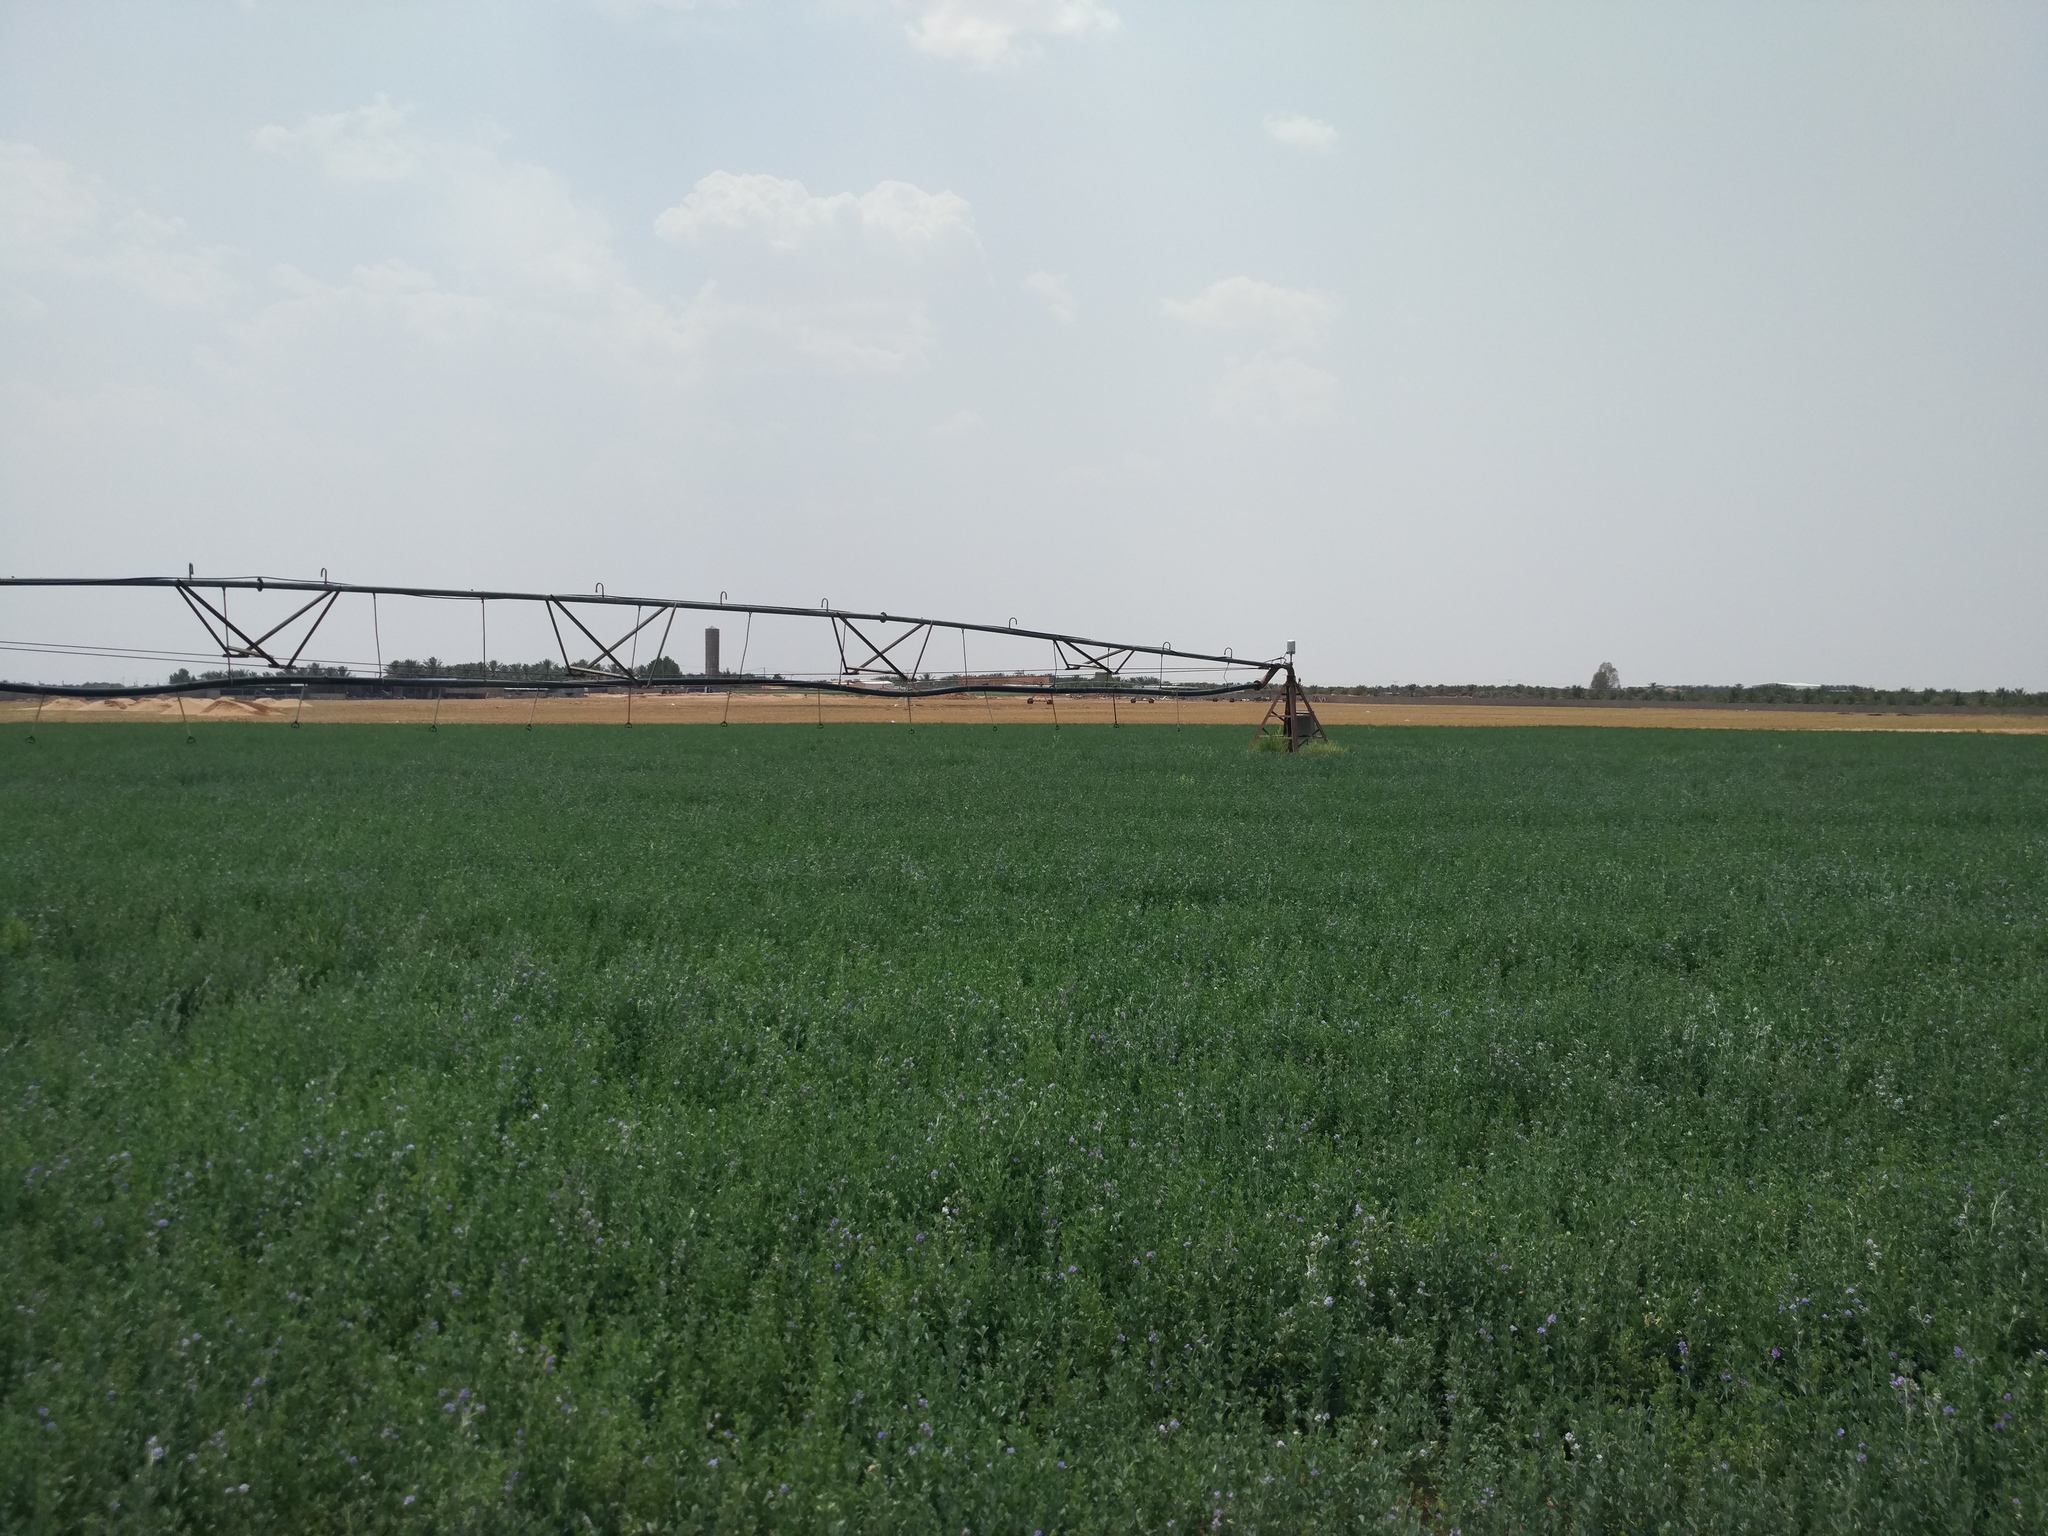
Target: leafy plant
x,y
780,1128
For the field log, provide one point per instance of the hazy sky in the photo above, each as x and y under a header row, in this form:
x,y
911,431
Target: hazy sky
x,y
1456,341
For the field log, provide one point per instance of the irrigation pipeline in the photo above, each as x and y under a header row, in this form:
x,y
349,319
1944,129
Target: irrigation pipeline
x,y
291,683
876,674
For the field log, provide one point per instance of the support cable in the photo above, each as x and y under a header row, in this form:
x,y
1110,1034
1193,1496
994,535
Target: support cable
x,y
632,667
745,641
991,703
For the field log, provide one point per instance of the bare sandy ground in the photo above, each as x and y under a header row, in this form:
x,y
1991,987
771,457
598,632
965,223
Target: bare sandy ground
x,y
755,708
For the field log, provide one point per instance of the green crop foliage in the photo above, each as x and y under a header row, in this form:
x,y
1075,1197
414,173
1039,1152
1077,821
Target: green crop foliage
x,y
857,1129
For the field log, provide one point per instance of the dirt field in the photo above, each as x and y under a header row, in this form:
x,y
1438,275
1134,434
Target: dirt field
x,y
751,708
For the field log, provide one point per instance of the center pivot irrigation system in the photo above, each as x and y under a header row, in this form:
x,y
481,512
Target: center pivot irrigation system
x,y
880,655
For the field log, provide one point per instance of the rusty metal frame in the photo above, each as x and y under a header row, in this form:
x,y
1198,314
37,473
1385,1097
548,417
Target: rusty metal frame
x,y
1291,717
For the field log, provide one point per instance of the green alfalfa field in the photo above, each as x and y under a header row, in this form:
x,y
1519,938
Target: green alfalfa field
x,y
855,1129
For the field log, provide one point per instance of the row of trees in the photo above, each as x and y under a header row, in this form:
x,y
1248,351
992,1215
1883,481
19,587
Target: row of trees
x,y
520,671
240,675
433,666
1734,693
515,672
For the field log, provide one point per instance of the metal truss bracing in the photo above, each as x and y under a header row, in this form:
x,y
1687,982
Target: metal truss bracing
x,y
879,654
880,658
249,648
1291,718
619,670
1106,660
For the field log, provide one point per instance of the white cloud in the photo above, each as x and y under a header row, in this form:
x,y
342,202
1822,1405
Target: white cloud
x,y
364,144
640,7
517,259
44,208
510,221
1290,316
1297,131
53,222
846,331
1050,289
1273,389
989,34
1273,385
486,342
158,258
785,214
505,274
835,282
914,218
960,424
510,243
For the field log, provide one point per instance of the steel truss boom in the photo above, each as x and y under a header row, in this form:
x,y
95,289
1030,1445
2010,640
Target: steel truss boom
x,y
1079,644
871,663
